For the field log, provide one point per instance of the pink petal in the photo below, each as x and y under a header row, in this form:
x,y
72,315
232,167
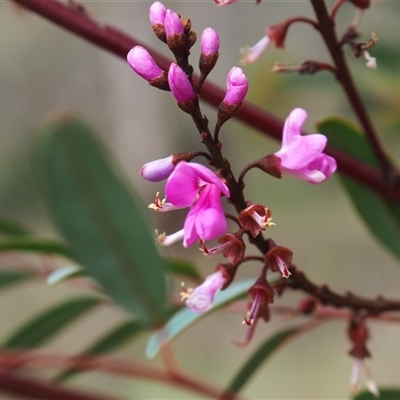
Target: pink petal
x,y
301,150
293,125
206,219
183,185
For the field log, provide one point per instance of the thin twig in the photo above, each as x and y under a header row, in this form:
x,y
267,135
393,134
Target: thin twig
x,y
326,27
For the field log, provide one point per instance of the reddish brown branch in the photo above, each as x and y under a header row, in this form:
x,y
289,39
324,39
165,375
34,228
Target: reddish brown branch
x,y
22,387
119,44
326,296
113,365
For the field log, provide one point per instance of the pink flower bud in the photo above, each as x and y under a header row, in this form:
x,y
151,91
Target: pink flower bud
x,y
180,85
173,24
237,86
143,64
157,170
209,42
157,13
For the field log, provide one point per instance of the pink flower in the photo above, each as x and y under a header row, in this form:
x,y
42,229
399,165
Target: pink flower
x,y
201,299
237,86
193,185
302,155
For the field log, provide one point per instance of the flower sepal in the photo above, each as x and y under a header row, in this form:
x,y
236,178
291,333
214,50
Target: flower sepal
x,y
278,259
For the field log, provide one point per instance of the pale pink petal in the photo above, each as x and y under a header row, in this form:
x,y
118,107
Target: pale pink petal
x,y
301,150
293,125
202,297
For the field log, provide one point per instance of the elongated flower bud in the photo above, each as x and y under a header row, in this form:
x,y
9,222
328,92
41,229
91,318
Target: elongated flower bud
x,y
209,51
237,86
181,88
143,64
176,36
157,170
157,18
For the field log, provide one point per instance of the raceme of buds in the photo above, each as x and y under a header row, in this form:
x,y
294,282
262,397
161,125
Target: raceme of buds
x,y
302,155
278,259
182,88
157,18
237,86
209,51
193,185
251,54
201,299
143,64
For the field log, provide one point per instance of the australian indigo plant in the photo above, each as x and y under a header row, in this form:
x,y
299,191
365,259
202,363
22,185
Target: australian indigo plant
x,y
106,231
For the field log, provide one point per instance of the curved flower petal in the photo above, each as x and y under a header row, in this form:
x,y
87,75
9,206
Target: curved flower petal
x,y
301,150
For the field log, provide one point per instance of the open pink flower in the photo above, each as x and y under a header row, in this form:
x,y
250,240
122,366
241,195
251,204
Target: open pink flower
x,y
302,155
193,185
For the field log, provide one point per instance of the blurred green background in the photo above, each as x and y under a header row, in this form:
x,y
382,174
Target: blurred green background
x,y
44,68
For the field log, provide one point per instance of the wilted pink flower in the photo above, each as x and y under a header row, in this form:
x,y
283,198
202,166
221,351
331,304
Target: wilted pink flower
x,y
180,85
173,24
143,64
157,13
201,299
251,54
237,86
209,42
193,185
302,155
157,170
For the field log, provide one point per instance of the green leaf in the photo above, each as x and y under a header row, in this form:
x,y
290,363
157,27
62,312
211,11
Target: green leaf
x,y
183,268
32,244
184,318
9,278
382,216
385,394
117,337
47,324
104,223
63,274
260,356
8,227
